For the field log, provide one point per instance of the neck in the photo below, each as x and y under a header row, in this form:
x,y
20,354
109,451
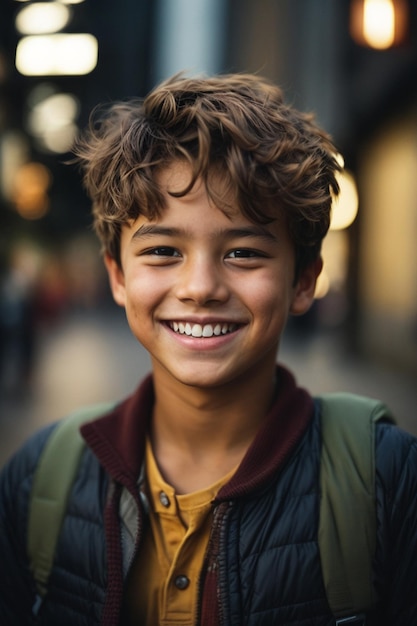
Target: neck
x,y
199,435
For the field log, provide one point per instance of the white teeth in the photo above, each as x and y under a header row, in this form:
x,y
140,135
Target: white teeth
x,y
197,330
208,330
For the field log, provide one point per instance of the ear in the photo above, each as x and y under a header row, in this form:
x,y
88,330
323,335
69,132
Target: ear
x,y
304,289
116,279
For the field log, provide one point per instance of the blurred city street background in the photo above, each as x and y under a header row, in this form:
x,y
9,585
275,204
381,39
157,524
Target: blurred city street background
x,y
352,62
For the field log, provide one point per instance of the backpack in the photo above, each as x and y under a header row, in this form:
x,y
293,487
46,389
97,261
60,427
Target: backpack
x,y
347,524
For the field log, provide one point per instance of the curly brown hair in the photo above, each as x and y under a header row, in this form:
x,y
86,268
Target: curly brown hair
x,y
273,159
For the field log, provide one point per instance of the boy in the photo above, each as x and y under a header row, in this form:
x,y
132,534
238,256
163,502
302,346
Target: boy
x,y
197,498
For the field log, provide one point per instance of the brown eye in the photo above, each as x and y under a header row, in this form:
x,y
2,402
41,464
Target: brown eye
x,y
243,253
163,251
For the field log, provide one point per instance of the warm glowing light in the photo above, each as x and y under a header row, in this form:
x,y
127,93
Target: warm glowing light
x,y
55,111
335,254
60,139
379,24
52,121
42,17
62,1
57,55
31,185
345,206
14,152
322,286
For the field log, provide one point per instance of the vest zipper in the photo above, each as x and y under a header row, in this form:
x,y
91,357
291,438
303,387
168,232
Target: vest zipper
x,y
210,563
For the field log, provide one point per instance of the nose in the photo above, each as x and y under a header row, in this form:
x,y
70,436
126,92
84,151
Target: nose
x,y
202,281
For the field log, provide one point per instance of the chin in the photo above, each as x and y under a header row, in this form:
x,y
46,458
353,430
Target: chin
x,y
208,378
203,377
201,382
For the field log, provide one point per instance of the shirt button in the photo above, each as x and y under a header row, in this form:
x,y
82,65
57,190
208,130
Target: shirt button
x,y
182,582
163,499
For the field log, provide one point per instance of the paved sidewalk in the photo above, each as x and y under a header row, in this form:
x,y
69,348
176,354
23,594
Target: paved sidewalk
x,y
93,357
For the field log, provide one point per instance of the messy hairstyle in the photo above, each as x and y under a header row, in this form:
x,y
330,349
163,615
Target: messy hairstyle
x,y
274,160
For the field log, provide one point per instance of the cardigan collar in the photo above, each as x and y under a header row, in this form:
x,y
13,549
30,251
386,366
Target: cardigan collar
x,y
118,438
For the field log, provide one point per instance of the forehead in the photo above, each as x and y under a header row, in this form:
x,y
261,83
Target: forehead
x,y
220,199
219,191
176,177
215,194
196,215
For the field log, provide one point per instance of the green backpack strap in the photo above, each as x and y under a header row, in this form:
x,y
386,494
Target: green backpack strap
x,y
347,527
54,476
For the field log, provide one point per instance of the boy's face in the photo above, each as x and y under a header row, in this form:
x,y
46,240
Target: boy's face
x,y
208,295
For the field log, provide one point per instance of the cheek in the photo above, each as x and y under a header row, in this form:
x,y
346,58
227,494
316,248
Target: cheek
x,y
270,293
139,313
143,294
271,307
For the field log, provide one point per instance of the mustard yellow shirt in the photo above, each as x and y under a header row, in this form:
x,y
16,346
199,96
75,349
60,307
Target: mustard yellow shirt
x,y
163,585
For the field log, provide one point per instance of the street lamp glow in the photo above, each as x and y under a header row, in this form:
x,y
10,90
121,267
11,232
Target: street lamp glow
x,y
42,17
52,121
379,23
345,205
57,55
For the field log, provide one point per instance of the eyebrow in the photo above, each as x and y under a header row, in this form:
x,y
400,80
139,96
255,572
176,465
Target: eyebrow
x,y
255,231
150,230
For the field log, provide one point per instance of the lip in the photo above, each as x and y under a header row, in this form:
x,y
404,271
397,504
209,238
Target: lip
x,y
202,320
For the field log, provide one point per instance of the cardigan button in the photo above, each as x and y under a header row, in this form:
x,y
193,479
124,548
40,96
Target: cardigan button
x,y
163,499
181,582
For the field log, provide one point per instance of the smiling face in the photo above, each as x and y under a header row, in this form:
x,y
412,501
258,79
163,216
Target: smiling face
x,y
208,295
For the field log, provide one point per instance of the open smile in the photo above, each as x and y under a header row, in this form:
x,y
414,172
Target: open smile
x,y
203,330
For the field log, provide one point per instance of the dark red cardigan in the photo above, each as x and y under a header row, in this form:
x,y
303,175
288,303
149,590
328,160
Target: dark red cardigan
x,y
118,440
